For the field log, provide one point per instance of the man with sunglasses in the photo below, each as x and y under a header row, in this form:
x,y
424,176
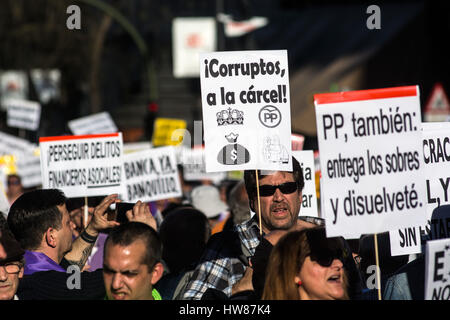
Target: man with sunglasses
x,y
226,257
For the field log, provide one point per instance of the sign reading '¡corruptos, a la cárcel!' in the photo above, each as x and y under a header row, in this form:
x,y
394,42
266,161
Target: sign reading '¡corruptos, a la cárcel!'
x,y
80,166
370,146
246,110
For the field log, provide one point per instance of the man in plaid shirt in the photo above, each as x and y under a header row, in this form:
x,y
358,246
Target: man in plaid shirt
x,y
224,262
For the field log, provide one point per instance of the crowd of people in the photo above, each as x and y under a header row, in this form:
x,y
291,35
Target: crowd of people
x,y
205,246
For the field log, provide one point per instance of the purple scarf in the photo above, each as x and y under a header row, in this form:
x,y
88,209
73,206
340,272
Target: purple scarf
x,y
38,261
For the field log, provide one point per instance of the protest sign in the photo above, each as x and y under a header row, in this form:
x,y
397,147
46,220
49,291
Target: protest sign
x,y
246,110
370,146
309,198
94,124
82,166
163,130
12,145
23,114
28,166
151,175
405,241
436,160
194,168
437,270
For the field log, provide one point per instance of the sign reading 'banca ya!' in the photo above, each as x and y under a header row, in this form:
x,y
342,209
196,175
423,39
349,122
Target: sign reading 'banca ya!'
x,y
151,175
89,165
246,110
370,145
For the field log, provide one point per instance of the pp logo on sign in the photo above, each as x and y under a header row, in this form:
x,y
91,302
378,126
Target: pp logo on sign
x,y
270,116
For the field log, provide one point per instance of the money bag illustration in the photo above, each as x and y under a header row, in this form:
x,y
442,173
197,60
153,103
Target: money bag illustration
x,y
233,153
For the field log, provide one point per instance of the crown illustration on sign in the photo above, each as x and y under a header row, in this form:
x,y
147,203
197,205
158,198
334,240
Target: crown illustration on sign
x,y
230,116
232,138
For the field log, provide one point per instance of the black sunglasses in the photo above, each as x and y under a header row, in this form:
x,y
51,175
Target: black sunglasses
x,y
286,188
325,257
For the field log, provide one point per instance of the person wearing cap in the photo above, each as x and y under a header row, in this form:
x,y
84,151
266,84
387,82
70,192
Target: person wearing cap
x,y
206,198
11,265
226,258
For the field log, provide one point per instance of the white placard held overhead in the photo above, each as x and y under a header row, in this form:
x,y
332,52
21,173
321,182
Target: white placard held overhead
x,y
94,124
88,165
309,197
436,159
23,114
246,110
370,145
151,175
437,270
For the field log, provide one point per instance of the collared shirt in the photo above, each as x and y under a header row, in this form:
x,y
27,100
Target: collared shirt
x,y
217,269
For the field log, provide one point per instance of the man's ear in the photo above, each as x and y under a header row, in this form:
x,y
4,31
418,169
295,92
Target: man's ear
x,y
157,272
50,237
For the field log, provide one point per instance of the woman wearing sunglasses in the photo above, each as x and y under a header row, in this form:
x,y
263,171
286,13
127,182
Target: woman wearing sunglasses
x,y
306,265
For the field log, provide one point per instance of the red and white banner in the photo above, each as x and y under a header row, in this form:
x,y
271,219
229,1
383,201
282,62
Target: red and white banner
x,y
86,165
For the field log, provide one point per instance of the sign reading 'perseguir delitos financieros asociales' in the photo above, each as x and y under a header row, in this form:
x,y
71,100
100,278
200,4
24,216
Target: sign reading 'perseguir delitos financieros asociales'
x,y
370,145
89,165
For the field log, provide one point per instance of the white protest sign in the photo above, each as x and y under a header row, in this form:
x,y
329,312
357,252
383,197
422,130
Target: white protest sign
x,y
194,168
151,175
93,124
23,114
370,145
13,145
437,270
246,110
29,169
309,197
405,241
436,159
436,150
88,165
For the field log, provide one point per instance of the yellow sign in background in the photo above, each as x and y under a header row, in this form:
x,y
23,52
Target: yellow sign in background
x,y
163,129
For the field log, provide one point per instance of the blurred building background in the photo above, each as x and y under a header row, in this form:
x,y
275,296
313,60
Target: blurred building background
x,y
101,67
